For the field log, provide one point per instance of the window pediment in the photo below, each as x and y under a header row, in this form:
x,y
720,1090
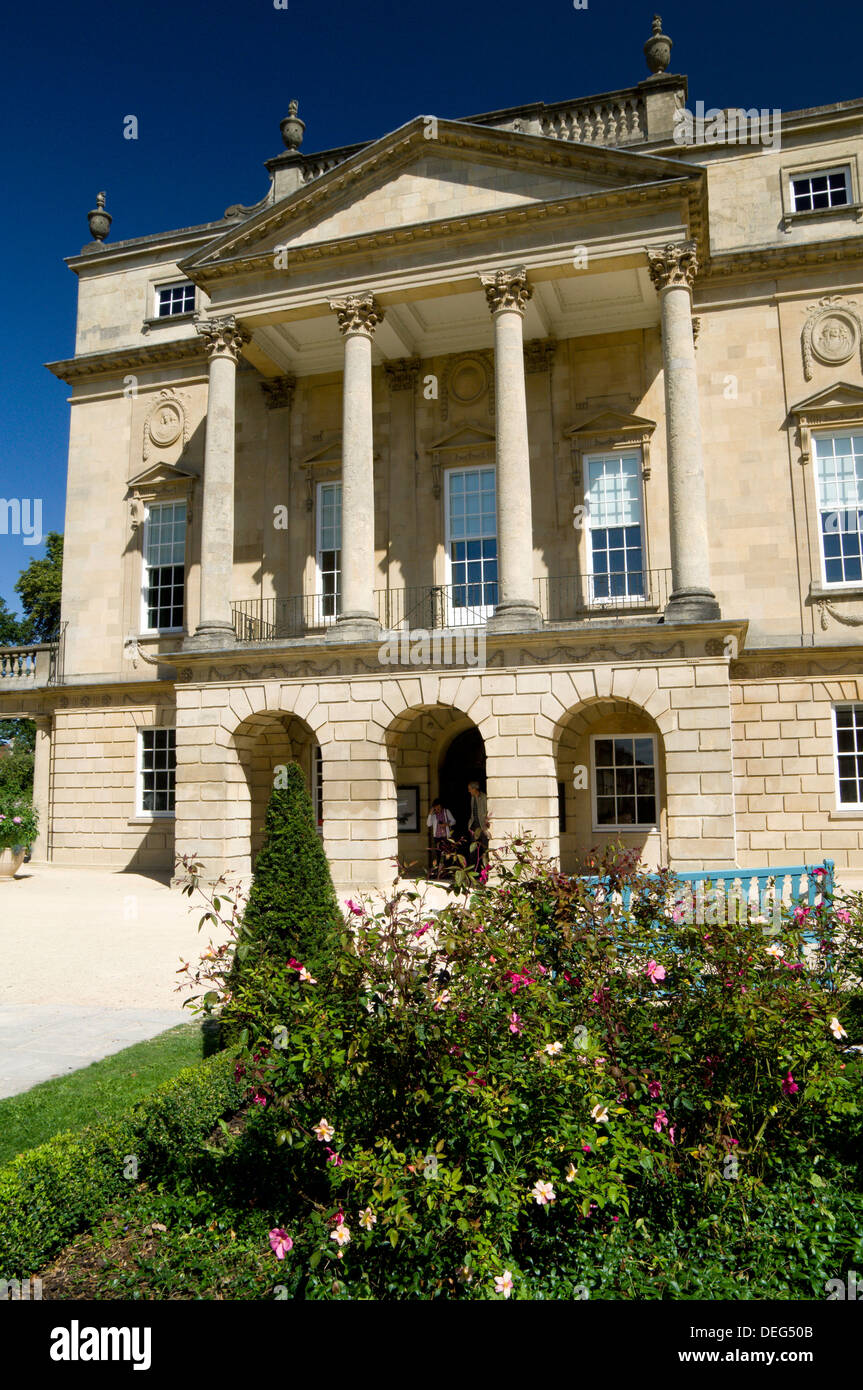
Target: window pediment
x,y
328,454
834,407
159,483
610,429
837,402
469,443
468,436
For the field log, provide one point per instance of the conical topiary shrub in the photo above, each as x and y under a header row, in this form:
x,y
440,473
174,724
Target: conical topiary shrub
x,y
292,911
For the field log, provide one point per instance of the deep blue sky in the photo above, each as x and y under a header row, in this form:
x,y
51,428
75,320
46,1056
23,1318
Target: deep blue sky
x,y
210,81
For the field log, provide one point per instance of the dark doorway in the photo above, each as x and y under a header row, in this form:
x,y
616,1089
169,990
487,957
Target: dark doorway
x,y
463,762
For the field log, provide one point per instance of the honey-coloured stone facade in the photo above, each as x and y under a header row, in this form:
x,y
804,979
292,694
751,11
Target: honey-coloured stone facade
x,y
522,292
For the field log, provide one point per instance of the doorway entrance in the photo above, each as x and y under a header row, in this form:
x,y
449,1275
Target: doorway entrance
x,y
463,762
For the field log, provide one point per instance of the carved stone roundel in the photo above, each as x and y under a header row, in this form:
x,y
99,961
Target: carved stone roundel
x,y
166,424
468,381
834,338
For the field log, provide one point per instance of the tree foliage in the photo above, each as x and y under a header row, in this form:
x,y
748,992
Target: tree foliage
x,y
292,910
38,586
10,626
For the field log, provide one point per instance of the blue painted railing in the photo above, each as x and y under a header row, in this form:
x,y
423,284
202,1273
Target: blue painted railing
x,y
771,886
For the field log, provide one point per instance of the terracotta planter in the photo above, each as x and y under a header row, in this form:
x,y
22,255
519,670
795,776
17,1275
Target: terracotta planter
x,y
10,862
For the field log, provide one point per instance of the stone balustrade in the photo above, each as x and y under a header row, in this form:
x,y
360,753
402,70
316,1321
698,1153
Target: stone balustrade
x,y
25,668
615,121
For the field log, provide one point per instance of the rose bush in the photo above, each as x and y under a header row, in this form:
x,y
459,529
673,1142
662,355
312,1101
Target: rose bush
x,y
18,823
477,1102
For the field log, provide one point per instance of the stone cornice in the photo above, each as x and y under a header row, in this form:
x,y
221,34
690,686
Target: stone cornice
x,y
469,226
726,265
118,360
309,658
397,149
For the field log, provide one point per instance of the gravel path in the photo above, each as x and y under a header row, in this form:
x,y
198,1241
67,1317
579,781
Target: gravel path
x,y
88,961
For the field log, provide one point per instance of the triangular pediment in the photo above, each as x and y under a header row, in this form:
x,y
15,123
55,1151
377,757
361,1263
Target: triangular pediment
x,y
612,424
467,436
161,475
840,398
424,174
330,452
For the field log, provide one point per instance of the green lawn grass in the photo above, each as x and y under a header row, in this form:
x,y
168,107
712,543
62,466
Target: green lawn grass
x,y
101,1091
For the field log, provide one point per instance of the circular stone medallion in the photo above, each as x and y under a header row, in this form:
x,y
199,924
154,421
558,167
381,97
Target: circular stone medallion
x,y
469,381
834,338
166,423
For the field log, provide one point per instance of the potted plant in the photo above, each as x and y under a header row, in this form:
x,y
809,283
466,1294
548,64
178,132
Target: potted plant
x,y
18,830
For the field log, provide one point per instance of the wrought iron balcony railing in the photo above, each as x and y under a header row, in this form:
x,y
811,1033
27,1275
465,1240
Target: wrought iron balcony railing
x,y
615,594
581,598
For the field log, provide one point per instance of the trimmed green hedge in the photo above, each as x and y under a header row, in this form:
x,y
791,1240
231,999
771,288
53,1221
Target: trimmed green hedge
x,y
50,1193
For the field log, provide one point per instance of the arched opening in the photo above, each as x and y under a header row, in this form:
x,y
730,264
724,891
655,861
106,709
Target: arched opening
x,y
611,782
434,751
461,762
266,742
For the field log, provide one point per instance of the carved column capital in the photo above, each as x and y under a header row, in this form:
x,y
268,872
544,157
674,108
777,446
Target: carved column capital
x,y
223,337
507,289
279,392
358,313
402,374
538,354
675,266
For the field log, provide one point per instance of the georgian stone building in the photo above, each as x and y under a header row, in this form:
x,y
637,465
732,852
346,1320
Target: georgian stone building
x,y
527,447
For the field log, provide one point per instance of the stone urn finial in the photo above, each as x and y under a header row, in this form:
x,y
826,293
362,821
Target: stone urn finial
x,y
292,128
99,220
657,50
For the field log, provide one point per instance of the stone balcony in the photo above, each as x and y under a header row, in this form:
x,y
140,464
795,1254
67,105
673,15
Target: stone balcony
x,y
34,666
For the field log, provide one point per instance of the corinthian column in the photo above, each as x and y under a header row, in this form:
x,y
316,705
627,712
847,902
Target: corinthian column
x,y
223,340
359,316
672,271
507,292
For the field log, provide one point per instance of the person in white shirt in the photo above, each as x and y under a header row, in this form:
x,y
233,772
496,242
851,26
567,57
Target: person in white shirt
x,y
440,822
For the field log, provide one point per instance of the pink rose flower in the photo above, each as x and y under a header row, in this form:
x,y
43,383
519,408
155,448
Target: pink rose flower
x,y
280,1242
654,971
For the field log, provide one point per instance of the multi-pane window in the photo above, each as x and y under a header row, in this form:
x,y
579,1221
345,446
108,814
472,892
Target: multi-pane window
x,y
849,753
624,781
616,545
839,473
175,299
471,543
164,579
826,188
158,771
329,550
